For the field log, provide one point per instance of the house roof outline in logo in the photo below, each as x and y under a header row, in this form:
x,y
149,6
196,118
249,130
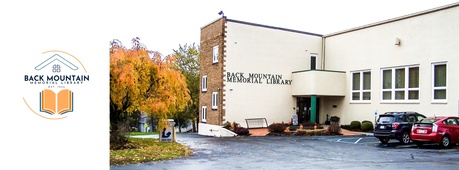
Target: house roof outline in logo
x,y
58,58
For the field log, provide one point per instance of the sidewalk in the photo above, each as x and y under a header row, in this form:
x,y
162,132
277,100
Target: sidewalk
x,y
259,132
265,131
351,133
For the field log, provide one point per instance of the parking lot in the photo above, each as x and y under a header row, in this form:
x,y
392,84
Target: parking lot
x,y
305,152
355,140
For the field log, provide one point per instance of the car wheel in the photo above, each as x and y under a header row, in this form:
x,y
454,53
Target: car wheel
x,y
384,140
405,138
445,142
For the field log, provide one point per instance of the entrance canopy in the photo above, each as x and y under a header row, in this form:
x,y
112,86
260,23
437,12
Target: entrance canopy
x,y
318,83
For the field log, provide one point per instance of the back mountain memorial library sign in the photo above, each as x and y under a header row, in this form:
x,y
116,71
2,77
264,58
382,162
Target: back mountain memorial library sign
x,y
256,78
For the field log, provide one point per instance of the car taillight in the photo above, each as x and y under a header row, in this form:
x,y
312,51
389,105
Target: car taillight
x,y
434,127
395,125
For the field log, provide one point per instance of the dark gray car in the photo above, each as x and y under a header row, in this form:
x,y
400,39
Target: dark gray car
x,y
396,125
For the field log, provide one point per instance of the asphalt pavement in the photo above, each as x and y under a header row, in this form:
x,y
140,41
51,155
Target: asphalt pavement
x,y
302,152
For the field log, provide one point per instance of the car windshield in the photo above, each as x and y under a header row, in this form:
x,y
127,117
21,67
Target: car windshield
x,y
386,119
428,120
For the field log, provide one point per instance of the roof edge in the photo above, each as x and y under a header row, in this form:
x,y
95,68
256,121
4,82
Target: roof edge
x,y
395,19
210,23
272,27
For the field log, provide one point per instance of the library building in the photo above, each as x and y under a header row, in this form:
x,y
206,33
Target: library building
x,y
255,74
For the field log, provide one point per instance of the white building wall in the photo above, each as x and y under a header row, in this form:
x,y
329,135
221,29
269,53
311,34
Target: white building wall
x,y
255,49
425,39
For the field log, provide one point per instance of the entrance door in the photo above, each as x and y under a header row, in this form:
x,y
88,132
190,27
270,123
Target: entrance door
x,y
304,110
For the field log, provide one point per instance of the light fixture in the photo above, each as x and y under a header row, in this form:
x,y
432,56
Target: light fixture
x,y
397,41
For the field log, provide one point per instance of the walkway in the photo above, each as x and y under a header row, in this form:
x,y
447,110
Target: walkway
x,y
265,131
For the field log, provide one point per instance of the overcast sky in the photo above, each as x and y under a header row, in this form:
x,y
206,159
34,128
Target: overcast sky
x,y
163,25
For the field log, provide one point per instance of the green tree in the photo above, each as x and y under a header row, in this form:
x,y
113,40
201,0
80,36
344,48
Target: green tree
x,y
187,61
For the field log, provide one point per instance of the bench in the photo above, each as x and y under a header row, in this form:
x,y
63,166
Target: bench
x,y
256,123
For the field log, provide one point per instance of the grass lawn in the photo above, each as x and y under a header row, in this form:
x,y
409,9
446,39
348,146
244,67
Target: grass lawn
x,y
147,150
142,133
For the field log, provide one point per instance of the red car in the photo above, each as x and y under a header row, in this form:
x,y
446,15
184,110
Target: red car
x,y
443,130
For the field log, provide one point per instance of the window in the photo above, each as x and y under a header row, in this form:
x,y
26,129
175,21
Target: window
x,y
361,86
439,82
204,83
451,122
400,84
214,100
313,62
215,54
204,114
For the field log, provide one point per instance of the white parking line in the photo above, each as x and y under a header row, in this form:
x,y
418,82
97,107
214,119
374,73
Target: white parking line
x,y
354,141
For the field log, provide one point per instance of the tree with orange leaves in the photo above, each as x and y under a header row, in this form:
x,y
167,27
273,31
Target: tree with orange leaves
x,y
143,81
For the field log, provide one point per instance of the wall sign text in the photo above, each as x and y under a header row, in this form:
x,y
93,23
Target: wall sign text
x,y
256,78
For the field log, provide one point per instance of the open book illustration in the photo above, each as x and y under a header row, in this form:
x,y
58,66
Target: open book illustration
x,y
59,103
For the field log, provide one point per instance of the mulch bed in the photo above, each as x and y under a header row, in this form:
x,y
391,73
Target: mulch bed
x,y
304,132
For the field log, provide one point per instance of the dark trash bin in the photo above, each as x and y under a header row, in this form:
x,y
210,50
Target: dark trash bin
x,y
334,119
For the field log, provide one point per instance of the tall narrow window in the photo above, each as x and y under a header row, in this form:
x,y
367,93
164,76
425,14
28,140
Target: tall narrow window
x,y
204,83
313,62
366,86
387,84
215,54
204,114
361,86
214,100
439,82
400,84
413,83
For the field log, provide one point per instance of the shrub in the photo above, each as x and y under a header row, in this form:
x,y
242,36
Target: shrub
x,y
293,127
334,129
303,132
277,128
241,131
366,121
367,126
305,124
227,125
355,125
346,126
235,124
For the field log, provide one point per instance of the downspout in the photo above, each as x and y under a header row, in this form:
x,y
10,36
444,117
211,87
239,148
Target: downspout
x,y
323,53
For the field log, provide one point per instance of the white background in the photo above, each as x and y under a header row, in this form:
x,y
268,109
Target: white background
x,y
84,29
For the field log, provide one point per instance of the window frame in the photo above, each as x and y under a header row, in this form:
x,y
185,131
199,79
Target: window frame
x,y
215,54
214,100
406,83
204,83
439,88
204,114
361,89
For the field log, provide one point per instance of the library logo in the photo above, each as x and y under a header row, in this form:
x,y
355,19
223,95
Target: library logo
x,y
54,78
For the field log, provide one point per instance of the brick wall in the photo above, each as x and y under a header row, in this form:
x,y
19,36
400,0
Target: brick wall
x,y
212,35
